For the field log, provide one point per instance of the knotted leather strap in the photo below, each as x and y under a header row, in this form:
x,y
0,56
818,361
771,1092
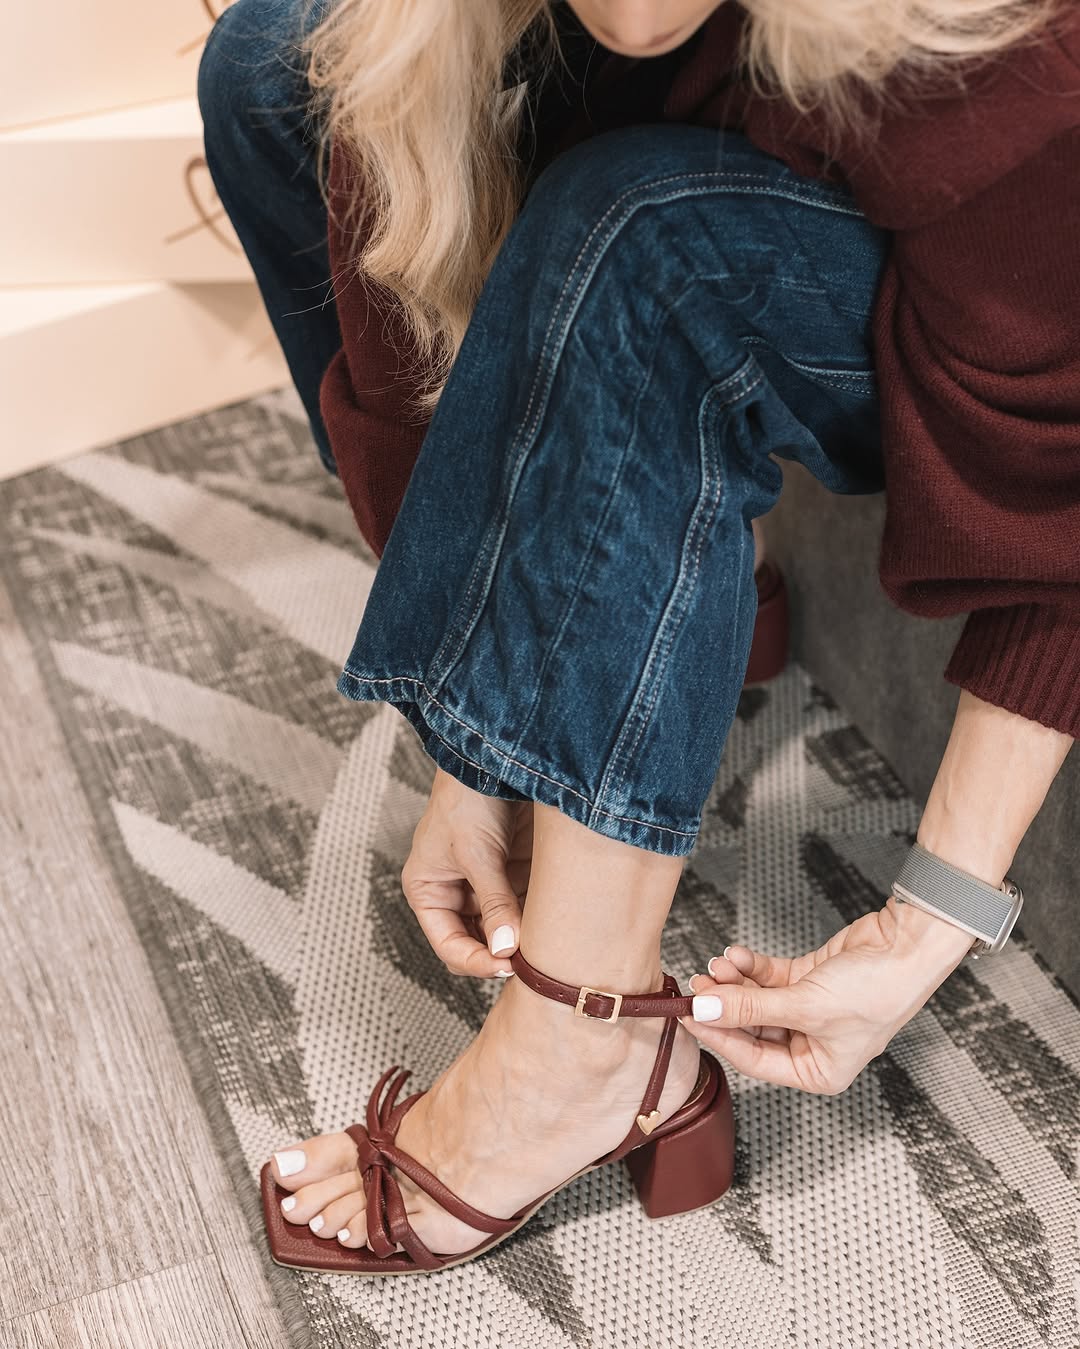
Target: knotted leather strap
x,y
387,1221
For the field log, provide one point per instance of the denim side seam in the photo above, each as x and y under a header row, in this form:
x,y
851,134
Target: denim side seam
x,y
612,496
721,396
531,782
551,352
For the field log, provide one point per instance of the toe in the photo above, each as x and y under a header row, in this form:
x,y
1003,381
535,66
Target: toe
x,y
317,1159
307,1203
346,1215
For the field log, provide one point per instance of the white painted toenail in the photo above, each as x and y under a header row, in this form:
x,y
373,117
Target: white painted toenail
x,y
707,1007
287,1205
289,1163
343,1235
317,1223
503,939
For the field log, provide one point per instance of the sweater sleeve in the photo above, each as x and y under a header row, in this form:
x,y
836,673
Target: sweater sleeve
x,y
366,396
977,337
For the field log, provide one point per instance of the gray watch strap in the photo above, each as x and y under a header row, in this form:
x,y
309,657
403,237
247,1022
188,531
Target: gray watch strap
x,y
937,886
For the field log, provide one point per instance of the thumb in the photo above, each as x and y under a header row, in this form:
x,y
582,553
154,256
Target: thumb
x,y
500,910
743,1005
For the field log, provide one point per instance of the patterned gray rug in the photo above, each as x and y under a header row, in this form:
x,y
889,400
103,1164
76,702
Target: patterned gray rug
x,y
191,595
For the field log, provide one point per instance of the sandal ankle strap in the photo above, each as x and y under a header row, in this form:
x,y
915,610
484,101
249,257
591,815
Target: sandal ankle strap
x,y
597,1004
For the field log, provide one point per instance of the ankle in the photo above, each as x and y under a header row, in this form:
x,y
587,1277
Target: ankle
x,y
555,1033
551,1037
608,970
596,906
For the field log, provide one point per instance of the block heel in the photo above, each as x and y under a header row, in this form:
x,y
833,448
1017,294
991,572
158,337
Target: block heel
x,y
677,1164
692,1165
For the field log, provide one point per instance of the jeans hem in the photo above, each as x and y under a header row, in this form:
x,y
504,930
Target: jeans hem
x,y
463,752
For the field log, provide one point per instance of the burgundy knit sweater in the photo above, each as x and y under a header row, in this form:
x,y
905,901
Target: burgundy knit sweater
x,y
976,332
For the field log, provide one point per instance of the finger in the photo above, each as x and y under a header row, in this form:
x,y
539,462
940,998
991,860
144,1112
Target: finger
x,y
723,971
768,971
728,974
707,983
763,1059
456,947
740,958
739,1006
500,910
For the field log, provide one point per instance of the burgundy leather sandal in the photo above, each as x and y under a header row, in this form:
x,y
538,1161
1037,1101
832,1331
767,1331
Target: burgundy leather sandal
x,y
769,644
684,1163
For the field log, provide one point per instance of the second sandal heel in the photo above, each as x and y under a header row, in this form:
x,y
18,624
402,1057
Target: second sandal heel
x,y
694,1164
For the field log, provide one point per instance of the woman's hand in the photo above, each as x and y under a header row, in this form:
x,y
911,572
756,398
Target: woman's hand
x,y
816,1021
465,876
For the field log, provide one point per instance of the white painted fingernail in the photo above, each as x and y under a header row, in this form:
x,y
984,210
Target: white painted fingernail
x,y
707,1007
502,939
289,1163
317,1223
343,1235
504,974
287,1205
726,950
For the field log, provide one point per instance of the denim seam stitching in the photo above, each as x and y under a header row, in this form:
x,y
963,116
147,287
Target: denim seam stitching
x,y
419,684
675,610
549,357
820,374
828,292
700,522
611,497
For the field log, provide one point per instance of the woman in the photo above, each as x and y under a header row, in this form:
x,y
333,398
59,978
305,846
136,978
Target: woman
x,y
706,235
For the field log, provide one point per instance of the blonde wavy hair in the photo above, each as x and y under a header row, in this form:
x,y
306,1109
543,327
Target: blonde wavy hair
x,y
413,91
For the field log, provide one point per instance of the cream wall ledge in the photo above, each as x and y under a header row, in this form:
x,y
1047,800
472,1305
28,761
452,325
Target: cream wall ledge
x,y
118,196
82,366
70,57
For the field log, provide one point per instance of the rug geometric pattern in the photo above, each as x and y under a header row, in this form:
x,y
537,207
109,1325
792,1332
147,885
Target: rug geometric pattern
x,y
191,595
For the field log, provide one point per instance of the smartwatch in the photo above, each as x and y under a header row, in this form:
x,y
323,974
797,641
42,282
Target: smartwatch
x,y
938,887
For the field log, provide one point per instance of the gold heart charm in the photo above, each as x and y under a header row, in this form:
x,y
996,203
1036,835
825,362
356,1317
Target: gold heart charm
x,y
647,1123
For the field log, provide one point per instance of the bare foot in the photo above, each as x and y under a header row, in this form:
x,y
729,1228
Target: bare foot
x,y
539,1094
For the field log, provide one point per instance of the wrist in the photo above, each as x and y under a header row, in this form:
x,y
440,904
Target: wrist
x,y
988,859
934,944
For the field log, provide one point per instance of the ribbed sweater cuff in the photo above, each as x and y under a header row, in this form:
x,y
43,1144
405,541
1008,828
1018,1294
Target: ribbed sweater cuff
x,y
1025,658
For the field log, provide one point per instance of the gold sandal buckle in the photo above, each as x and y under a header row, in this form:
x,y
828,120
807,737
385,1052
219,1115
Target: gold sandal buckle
x,y
616,999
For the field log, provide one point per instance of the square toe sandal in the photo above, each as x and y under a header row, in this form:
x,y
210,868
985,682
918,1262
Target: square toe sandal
x,y
683,1163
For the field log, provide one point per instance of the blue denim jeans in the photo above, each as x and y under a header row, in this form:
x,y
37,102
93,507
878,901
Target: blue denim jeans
x,y
565,606
260,149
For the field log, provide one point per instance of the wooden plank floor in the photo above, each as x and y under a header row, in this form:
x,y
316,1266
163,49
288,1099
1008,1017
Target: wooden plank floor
x,y
118,1226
